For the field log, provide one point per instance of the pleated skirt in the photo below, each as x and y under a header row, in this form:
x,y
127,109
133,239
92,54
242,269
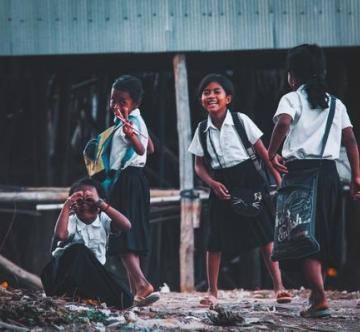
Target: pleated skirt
x,y
131,196
230,232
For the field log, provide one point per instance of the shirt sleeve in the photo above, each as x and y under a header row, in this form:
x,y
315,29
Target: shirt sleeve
x,y
71,225
106,221
345,120
252,130
141,127
288,105
195,146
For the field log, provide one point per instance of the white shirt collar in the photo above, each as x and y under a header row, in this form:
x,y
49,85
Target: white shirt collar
x,y
81,225
227,121
135,112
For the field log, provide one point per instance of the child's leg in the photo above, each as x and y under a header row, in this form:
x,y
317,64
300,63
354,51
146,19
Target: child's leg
x,y
213,260
272,267
314,275
140,285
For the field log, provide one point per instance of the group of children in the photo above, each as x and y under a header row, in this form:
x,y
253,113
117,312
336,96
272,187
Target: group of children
x,y
222,161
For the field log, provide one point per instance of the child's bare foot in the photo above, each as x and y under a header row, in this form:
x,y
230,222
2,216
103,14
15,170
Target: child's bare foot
x,y
283,296
209,300
144,291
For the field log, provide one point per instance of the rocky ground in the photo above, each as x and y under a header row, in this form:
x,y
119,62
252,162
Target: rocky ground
x,y
237,310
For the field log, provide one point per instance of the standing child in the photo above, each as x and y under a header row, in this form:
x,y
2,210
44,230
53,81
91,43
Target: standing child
x,y
301,120
130,193
83,227
231,166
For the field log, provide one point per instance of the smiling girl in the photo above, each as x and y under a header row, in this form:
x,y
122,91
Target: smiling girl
x,y
229,164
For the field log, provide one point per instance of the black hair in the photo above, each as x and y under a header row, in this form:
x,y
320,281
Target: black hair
x,y
86,181
218,78
130,84
307,64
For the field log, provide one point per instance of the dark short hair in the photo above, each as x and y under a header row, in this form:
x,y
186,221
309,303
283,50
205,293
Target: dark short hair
x,y
130,84
218,78
86,181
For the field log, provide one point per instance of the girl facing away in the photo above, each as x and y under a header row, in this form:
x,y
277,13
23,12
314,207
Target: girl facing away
x,y
300,120
231,166
130,192
82,229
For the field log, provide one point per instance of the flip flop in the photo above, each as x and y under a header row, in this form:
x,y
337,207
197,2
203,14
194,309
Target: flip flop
x,y
209,300
283,297
313,312
140,301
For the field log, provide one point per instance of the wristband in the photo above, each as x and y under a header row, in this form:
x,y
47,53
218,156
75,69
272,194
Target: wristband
x,y
99,202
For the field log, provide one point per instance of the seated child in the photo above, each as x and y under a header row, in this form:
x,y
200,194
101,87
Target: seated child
x,y
77,266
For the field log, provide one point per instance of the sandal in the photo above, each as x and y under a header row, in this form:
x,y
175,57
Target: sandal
x,y
209,300
283,297
140,301
313,312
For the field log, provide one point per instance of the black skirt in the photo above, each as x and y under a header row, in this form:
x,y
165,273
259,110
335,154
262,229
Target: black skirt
x,y
329,230
232,233
76,272
131,196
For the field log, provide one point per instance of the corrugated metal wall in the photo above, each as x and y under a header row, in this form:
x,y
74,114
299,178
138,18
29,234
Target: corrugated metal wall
x,y
32,27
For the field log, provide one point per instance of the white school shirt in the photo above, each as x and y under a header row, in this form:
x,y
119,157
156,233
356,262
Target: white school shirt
x,y
304,140
120,144
94,235
226,141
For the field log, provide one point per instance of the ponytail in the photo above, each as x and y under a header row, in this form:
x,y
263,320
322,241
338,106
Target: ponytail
x,y
316,93
307,63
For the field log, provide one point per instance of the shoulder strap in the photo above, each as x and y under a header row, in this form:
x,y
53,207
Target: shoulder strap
x,y
202,138
239,126
329,122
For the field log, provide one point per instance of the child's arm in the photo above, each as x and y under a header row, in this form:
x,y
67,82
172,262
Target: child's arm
x,y
278,135
117,218
352,151
201,170
61,227
150,147
133,138
263,153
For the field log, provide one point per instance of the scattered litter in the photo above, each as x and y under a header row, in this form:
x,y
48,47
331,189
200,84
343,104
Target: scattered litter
x,y
164,288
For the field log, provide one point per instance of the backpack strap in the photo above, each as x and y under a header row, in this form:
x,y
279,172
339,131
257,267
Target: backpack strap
x,y
328,123
202,139
239,126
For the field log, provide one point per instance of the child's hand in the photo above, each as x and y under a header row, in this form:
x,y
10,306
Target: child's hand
x,y
220,190
122,113
128,129
355,188
90,197
278,164
74,200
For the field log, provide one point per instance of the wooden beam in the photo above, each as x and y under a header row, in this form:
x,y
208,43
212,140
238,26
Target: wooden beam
x,y
186,174
27,278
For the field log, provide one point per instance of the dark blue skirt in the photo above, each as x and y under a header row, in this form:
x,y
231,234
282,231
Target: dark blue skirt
x,y
232,233
131,196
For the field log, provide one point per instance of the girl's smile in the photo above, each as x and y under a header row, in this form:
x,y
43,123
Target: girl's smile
x,y
214,98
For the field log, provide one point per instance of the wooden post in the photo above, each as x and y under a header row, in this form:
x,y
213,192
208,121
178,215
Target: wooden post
x,y
186,174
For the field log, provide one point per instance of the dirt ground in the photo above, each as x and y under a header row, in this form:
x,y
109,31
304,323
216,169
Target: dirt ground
x,y
237,310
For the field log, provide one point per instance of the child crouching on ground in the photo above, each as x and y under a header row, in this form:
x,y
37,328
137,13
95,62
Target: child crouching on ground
x,y
82,229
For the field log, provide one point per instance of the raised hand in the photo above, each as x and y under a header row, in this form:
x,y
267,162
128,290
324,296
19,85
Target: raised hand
x,y
75,200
